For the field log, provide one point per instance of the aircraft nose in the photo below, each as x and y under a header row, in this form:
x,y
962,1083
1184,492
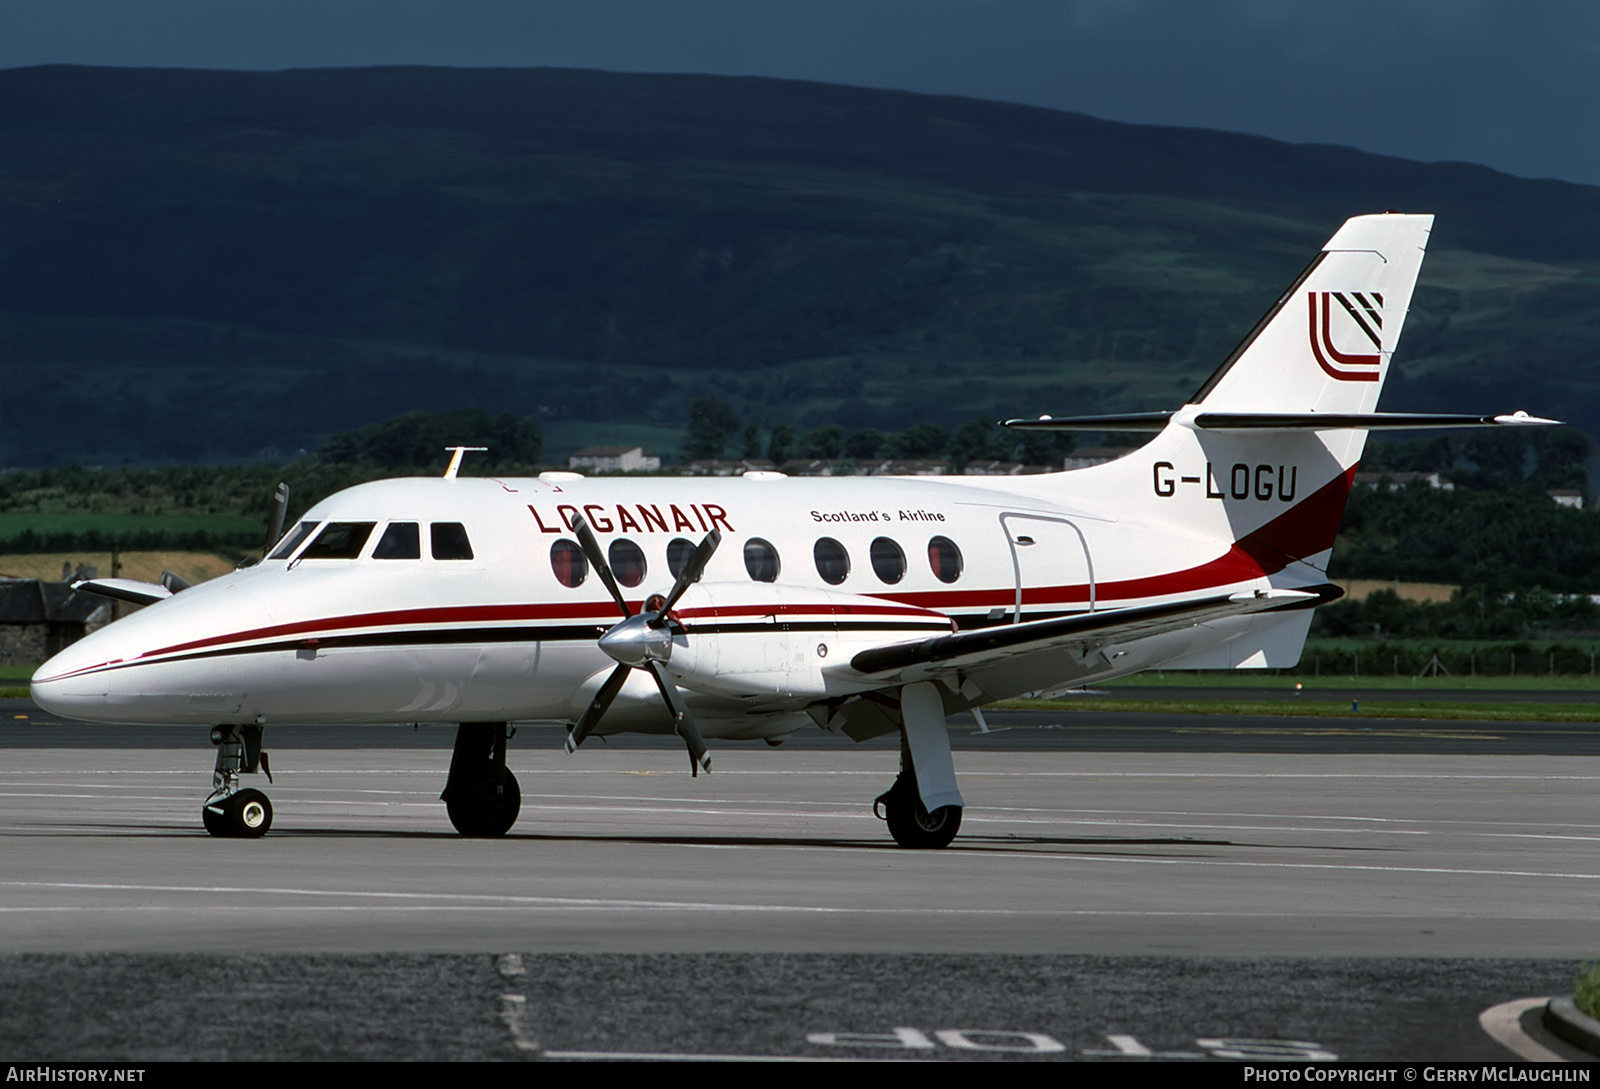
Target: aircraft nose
x,y
69,685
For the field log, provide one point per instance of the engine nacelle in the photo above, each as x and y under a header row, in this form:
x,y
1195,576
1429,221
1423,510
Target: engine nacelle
x,y
775,641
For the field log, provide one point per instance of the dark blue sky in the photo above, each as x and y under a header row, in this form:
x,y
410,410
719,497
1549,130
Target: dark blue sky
x,y
1513,85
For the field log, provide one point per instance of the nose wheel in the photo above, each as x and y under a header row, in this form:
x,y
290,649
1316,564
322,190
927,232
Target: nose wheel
x,y
246,814
481,795
231,812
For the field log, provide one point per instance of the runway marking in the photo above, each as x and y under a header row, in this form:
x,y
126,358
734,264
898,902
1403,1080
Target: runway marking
x,y
571,902
684,1057
725,772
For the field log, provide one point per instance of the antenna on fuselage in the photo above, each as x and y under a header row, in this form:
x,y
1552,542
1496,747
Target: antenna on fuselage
x,y
457,452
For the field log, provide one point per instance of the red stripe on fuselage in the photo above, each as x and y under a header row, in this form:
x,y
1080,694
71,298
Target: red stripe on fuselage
x,y
1305,529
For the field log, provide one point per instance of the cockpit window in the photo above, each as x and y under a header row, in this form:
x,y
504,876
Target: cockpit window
x,y
450,541
339,541
293,540
401,541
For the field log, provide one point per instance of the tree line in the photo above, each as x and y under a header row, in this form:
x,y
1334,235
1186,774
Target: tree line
x,y
715,430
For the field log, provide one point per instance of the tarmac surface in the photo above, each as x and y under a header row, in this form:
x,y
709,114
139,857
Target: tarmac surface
x,y
1122,889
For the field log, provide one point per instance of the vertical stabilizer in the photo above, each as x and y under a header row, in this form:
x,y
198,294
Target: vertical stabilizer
x,y
1325,346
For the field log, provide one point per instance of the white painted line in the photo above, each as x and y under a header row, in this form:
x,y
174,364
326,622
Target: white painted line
x,y
512,1009
1503,1024
677,1057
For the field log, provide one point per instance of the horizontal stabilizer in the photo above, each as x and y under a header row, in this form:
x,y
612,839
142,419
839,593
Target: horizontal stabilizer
x,y
1280,421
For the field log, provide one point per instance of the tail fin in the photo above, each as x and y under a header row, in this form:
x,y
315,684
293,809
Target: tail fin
x,y
1326,344
1241,467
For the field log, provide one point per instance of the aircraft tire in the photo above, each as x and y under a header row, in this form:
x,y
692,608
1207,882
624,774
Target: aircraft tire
x,y
216,822
484,813
913,826
250,814
245,815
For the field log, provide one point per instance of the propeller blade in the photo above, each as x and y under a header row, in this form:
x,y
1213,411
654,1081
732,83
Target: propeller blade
x,y
683,725
691,572
280,511
597,560
174,581
592,713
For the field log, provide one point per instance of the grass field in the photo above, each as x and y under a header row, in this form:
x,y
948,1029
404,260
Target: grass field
x,y
1311,707
144,566
1250,678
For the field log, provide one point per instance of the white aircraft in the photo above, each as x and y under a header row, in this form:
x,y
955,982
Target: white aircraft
x,y
752,607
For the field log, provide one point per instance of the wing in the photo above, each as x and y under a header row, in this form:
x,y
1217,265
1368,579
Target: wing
x,y
921,659
139,593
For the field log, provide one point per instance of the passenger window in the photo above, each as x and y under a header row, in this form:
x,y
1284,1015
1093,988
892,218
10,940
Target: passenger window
x,y
339,541
292,541
401,541
450,541
627,561
678,553
761,560
833,562
569,563
945,559
888,560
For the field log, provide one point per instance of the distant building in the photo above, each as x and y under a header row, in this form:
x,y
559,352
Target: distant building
x,y
38,619
1396,481
1567,497
1002,468
1094,455
901,467
614,459
724,467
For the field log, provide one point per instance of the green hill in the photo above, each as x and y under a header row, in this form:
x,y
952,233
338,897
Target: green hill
x,y
204,266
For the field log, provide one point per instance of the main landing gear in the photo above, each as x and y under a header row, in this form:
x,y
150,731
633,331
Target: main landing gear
x,y
481,795
925,814
230,811
909,821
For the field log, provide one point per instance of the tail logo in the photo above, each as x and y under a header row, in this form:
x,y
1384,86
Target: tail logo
x,y
1365,312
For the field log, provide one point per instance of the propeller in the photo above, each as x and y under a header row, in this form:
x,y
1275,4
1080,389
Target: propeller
x,y
643,641
280,510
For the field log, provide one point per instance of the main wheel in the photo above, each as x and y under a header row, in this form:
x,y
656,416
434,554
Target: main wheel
x,y
246,814
913,826
251,814
214,815
488,809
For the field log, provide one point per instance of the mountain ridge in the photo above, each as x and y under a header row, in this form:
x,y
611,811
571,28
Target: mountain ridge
x,y
212,265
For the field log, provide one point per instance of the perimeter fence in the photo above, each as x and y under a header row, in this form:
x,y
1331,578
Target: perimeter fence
x,y
1348,658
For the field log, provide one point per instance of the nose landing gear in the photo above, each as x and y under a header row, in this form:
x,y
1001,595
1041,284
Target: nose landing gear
x,y
481,795
246,815
229,811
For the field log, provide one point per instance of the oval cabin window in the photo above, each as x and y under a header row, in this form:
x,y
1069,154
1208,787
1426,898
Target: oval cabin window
x,y
945,559
888,560
761,560
679,549
627,561
833,562
569,563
